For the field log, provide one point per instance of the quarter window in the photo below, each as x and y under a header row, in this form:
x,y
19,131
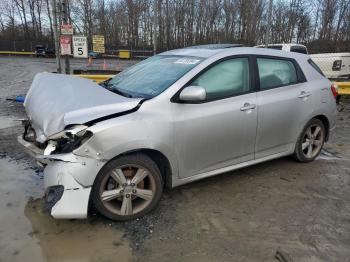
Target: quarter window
x,y
228,78
275,73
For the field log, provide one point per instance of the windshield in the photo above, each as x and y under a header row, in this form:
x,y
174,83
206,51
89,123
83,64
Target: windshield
x,y
152,76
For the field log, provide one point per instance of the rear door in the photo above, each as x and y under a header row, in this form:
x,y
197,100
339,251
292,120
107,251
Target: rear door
x,y
283,104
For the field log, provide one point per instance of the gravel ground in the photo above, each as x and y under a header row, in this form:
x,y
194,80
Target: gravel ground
x,y
297,212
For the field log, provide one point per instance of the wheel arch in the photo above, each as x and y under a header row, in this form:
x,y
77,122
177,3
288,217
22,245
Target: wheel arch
x,y
325,122
158,157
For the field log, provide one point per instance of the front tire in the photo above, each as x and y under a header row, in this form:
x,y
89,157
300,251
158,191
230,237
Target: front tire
x,y
128,187
310,142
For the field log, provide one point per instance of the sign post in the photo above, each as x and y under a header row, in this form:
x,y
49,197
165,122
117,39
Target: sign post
x,y
56,36
67,28
80,47
98,44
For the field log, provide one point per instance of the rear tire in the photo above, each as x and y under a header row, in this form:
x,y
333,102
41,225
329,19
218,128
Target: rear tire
x,y
310,141
127,188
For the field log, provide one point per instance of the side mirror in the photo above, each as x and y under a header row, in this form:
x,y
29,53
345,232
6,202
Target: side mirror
x,y
193,94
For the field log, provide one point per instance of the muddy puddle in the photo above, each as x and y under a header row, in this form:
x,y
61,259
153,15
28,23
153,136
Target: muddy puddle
x,y
28,234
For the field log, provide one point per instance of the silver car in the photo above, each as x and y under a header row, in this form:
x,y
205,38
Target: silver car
x,y
174,118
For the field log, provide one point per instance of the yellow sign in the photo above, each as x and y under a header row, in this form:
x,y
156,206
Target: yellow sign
x,y
98,43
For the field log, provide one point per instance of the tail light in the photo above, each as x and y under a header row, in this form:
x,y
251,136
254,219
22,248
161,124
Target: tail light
x,y
334,90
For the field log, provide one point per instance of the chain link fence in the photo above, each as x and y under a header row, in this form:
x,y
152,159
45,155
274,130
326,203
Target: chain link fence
x,y
23,45
334,65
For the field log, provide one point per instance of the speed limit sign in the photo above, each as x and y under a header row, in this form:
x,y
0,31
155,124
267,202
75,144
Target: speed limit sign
x,y
80,47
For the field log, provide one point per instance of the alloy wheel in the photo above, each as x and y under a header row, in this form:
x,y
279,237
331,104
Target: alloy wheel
x,y
127,190
312,141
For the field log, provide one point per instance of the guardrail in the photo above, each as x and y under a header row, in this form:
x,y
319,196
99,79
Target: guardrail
x,y
122,54
343,88
16,53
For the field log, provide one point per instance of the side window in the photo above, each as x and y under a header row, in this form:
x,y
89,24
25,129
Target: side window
x,y
275,73
228,78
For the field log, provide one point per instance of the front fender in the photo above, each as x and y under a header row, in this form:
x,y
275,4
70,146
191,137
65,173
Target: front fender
x,y
94,149
144,129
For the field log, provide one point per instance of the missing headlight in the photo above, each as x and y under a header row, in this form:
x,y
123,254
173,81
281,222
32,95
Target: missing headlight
x,y
71,142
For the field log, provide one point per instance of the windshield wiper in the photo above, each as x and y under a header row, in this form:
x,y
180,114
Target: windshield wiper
x,y
117,91
106,84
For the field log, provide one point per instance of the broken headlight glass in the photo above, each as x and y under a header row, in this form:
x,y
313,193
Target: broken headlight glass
x,y
68,140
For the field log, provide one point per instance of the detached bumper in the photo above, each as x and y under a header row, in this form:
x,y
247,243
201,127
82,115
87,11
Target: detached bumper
x,y
68,179
73,201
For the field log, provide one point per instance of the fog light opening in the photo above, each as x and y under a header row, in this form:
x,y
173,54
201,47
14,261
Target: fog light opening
x,y
52,196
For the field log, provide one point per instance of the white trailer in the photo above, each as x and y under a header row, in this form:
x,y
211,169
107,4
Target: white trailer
x,y
333,65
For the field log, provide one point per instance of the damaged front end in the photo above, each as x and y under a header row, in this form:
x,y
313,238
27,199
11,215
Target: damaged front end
x,y
63,142
60,111
68,140
66,193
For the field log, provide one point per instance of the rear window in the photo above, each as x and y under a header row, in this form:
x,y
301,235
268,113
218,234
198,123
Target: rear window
x,y
315,66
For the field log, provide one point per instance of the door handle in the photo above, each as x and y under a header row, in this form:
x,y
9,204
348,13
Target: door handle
x,y
247,106
304,94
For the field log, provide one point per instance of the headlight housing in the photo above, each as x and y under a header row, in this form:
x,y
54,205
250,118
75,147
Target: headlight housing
x,y
68,140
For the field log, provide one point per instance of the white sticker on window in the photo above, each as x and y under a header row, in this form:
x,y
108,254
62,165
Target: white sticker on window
x,y
187,61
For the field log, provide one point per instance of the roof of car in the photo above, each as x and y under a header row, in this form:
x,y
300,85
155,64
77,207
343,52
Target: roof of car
x,y
207,52
214,46
282,44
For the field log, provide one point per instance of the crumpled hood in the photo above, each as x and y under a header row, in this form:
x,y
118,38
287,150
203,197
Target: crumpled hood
x,y
55,101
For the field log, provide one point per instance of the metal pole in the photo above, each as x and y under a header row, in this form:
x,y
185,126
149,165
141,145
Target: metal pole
x,y
65,21
268,26
56,36
154,27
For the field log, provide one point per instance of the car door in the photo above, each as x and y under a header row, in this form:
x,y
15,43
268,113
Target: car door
x,y
220,131
283,105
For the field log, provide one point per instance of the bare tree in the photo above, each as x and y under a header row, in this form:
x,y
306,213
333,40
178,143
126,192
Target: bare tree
x,y
130,23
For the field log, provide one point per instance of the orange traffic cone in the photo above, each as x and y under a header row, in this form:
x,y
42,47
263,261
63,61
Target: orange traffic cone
x,y
104,64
